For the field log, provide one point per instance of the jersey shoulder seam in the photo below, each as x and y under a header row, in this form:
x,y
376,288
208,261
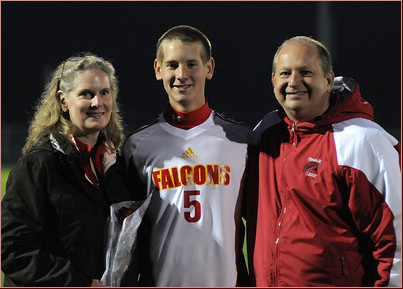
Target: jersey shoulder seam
x,y
143,127
223,117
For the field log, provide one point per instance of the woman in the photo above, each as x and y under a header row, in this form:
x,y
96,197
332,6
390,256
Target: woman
x,y
53,216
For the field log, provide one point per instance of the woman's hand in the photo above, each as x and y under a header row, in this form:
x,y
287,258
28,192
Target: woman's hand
x,y
96,283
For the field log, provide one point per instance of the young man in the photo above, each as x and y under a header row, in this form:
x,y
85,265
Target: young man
x,y
192,161
329,205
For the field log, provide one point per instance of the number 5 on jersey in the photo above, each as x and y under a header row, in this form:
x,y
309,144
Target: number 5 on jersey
x,y
193,205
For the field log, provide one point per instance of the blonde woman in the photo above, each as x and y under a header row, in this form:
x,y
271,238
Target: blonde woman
x,y
55,208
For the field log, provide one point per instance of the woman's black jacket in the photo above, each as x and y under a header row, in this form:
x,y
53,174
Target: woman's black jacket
x,y
53,220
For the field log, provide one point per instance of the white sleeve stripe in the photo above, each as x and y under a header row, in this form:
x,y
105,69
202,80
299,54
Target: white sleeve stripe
x,y
363,145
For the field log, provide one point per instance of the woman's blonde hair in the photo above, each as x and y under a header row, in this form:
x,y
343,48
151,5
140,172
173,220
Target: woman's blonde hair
x,y
49,114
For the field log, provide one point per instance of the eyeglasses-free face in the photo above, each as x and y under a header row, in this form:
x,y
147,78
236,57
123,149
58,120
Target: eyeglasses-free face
x,y
89,104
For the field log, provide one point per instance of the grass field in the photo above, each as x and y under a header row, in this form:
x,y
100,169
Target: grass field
x,y
4,174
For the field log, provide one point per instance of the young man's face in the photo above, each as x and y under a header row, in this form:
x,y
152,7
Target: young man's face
x,y
299,84
184,74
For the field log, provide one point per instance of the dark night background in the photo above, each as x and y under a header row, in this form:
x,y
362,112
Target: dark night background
x,y
364,39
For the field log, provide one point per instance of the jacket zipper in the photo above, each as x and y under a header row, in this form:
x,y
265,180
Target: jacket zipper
x,y
276,256
294,135
342,265
281,217
344,270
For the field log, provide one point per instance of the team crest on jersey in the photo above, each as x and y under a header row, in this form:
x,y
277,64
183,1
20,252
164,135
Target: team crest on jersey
x,y
188,154
311,168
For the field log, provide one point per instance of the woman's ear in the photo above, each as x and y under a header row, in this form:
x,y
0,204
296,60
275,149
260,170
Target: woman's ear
x,y
62,100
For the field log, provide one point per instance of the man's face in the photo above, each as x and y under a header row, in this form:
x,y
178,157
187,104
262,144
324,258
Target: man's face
x,y
299,84
184,74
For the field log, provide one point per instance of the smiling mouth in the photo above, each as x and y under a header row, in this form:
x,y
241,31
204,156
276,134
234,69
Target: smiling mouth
x,y
95,114
296,93
185,86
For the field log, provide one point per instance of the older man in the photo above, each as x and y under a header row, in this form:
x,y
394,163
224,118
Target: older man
x,y
329,196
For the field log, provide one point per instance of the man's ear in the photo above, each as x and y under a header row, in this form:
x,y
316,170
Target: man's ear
x,y
157,69
210,68
330,79
272,79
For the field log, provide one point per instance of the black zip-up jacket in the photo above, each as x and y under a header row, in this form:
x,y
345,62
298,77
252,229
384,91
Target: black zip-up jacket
x,y
53,220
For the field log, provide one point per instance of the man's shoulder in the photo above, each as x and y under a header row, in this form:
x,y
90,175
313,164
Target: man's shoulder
x,y
364,130
143,128
360,140
226,118
139,135
221,119
235,130
269,120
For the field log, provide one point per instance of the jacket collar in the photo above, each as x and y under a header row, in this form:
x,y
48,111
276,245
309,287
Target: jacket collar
x,y
344,106
73,159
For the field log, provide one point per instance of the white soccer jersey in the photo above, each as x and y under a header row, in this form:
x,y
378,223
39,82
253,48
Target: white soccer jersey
x,y
198,173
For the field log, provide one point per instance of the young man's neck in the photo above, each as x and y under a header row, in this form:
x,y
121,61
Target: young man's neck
x,y
186,120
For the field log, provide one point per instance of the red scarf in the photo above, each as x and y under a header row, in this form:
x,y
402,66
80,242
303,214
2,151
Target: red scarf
x,y
85,152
